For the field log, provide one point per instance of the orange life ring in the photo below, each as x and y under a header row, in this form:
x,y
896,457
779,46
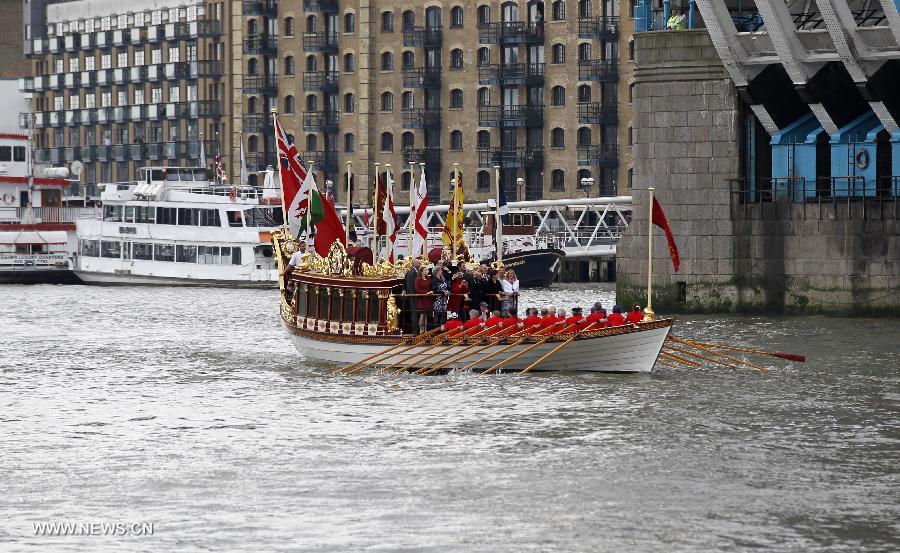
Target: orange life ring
x,y
232,194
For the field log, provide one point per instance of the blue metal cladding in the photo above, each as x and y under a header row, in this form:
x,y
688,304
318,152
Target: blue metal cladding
x,y
794,159
853,157
895,150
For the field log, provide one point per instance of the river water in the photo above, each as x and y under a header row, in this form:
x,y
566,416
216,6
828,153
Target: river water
x,y
188,409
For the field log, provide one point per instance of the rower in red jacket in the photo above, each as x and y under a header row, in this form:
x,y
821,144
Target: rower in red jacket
x,y
635,316
474,325
453,324
512,324
597,319
616,319
575,318
493,321
549,319
532,322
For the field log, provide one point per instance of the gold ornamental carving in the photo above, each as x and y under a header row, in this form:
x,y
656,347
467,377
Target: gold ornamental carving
x,y
393,315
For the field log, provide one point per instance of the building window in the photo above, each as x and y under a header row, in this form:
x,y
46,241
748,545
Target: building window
x,y
557,138
312,103
349,103
409,19
289,26
456,98
406,100
584,136
89,63
349,63
584,51
408,59
483,139
387,61
387,101
558,180
312,143
584,8
456,17
584,93
251,102
408,139
630,178
484,96
630,136
558,96
289,104
289,68
349,143
484,14
387,22
484,56
631,93
559,10
558,54
349,23
251,66
405,180
456,59
311,23
253,144
483,181
139,57
631,50
312,63
456,140
387,142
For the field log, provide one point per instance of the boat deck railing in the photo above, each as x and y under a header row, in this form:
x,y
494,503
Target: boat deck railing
x,y
43,215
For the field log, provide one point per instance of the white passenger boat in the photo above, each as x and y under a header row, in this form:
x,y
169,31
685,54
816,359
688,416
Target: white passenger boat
x,y
175,227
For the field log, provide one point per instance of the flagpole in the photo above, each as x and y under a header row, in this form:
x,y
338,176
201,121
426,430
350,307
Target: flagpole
x,y
347,221
456,209
648,311
498,223
375,214
309,193
281,180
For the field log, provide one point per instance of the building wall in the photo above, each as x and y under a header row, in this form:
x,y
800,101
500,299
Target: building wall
x,y
12,60
777,257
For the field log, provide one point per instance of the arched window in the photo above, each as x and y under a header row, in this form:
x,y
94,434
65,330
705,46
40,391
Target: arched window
x,y
456,140
509,12
557,138
312,103
387,61
558,53
405,180
288,26
253,144
584,8
387,142
349,103
484,56
349,23
312,63
559,10
312,143
584,136
584,93
408,139
349,143
456,17
484,14
387,22
456,98
433,17
349,63
456,59
406,100
408,59
409,19
289,104
584,51
252,27
558,96
252,66
387,101
311,24
289,68
483,181
483,139
484,96
558,180
251,104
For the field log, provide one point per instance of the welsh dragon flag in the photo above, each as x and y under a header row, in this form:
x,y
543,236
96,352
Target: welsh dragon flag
x,y
389,219
299,194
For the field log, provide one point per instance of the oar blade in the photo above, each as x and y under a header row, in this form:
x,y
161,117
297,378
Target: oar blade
x,y
789,356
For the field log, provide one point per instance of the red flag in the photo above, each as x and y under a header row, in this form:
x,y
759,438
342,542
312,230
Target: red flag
x,y
659,219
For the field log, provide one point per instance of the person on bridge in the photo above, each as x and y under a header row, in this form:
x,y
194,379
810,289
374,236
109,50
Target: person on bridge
x,y
616,319
635,316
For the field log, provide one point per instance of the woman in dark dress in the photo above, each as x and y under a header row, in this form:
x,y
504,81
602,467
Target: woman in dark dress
x,y
424,301
491,290
441,289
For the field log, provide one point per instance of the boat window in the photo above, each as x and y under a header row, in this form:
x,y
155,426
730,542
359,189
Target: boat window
x,y
208,255
186,254
313,301
235,256
126,250
90,248
112,213
165,215
517,219
200,174
172,175
143,251
323,304
301,300
5,153
361,305
188,216
129,213
144,214
210,218
141,174
158,174
164,252
234,219
111,249
336,300
373,306
348,306
186,175
263,217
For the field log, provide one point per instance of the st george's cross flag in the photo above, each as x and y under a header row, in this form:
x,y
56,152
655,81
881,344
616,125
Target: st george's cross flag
x,y
389,219
420,219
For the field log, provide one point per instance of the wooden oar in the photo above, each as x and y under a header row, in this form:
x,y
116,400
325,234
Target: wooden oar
x,y
780,354
441,363
553,351
663,363
540,332
698,345
699,356
408,362
673,357
446,363
415,341
522,352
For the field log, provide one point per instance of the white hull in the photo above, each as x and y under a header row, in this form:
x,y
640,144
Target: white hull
x,y
145,280
631,352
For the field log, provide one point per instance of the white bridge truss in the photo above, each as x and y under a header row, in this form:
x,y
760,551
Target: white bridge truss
x,y
582,227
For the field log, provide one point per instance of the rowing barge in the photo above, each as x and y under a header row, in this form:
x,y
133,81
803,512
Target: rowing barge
x,y
342,309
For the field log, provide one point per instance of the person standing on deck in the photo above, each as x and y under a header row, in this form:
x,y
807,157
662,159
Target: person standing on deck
x,y
409,287
441,289
423,299
492,289
458,290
